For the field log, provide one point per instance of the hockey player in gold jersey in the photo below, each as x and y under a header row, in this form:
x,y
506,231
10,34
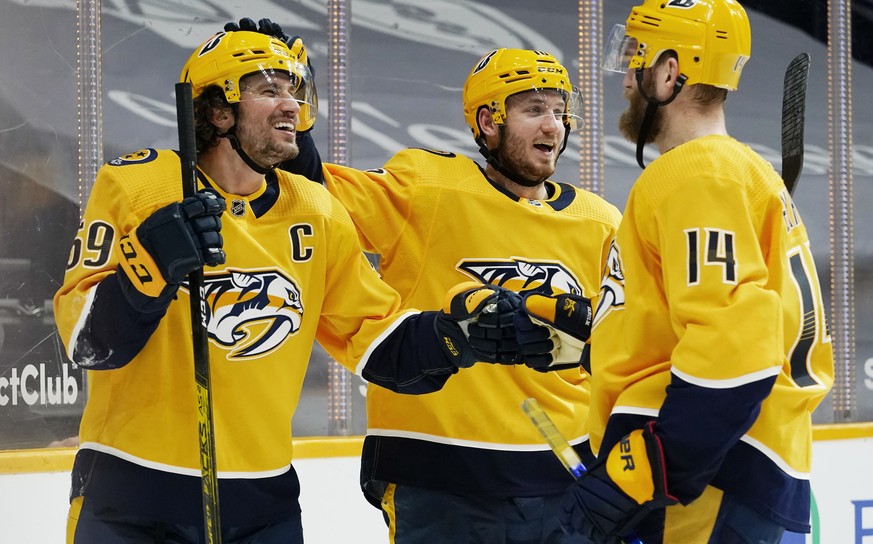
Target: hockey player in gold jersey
x,y
283,269
464,464
710,348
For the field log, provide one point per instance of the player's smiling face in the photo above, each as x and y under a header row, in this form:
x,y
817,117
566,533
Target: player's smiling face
x,y
533,133
267,118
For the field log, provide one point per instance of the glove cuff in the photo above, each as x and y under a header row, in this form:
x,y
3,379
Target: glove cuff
x,y
636,465
138,266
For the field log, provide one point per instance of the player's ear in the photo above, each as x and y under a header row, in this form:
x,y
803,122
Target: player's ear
x,y
222,118
486,123
666,75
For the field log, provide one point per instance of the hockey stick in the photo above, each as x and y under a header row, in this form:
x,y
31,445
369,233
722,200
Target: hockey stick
x,y
559,445
208,472
793,113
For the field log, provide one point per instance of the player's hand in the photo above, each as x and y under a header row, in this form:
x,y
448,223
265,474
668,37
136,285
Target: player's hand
x,y
173,242
619,490
264,26
294,43
476,324
568,317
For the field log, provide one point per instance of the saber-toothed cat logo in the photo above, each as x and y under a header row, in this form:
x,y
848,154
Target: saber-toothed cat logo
x,y
521,275
251,312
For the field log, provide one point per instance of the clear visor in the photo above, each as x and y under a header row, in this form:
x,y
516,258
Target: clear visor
x,y
575,111
297,84
619,50
539,103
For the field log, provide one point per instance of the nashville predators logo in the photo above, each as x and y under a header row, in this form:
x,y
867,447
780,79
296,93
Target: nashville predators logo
x,y
684,4
524,275
612,285
251,313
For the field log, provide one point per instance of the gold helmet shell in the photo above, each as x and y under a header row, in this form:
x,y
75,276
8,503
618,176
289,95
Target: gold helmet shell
x,y
712,39
227,57
505,72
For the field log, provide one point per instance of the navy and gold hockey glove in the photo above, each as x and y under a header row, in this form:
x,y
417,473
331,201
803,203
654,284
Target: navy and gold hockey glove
x,y
619,490
476,324
568,318
171,243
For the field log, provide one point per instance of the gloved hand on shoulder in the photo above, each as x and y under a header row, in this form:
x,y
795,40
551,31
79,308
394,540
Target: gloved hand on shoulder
x,y
298,51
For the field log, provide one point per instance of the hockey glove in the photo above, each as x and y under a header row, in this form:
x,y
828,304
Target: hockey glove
x,y
171,243
298,51
464,339
618,491
569,317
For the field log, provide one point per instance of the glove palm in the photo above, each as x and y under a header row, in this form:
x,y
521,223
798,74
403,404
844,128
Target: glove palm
x,y
567,317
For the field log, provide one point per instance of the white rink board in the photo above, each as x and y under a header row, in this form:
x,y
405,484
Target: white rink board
x,y
33,506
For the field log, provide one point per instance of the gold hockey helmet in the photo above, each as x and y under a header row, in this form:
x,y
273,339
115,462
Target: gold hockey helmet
x,y
505,72
227,57
711,38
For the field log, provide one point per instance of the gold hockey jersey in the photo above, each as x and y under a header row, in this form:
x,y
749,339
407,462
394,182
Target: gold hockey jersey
x,y
436,220
711,321
294,274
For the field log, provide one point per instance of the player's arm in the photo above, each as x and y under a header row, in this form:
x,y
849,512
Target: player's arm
x,y
730,338
307,163
122,277
477,324
364,327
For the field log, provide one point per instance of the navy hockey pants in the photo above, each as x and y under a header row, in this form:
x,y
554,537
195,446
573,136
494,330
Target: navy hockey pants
x,y
424,516
91,523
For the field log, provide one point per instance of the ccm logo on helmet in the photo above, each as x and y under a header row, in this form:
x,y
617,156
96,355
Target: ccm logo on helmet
x,y
550,69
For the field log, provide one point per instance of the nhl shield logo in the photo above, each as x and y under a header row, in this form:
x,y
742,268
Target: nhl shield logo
x,y
238,207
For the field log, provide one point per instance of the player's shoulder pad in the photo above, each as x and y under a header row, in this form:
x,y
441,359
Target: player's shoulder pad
x,y
589,204
137,157
299,182
305,193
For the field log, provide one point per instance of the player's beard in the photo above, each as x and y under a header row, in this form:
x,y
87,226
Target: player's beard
x,y
259,141
512,153
631,120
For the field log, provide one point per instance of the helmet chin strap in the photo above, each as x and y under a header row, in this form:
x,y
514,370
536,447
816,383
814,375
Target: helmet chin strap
x,y
492,159
234,143
649,116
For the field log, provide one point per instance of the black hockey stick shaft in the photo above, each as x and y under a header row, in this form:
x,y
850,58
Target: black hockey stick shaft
x,y
208,471
793,116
